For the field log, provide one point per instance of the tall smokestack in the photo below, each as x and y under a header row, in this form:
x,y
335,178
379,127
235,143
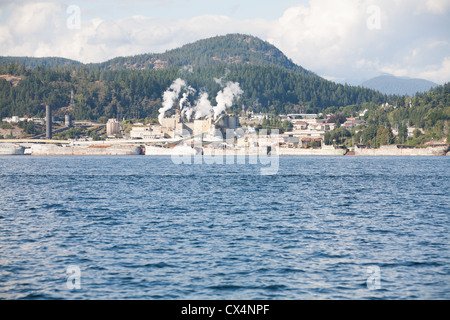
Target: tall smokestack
x,y
48,121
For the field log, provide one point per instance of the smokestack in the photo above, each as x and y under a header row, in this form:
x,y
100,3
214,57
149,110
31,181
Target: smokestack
x,y
48,121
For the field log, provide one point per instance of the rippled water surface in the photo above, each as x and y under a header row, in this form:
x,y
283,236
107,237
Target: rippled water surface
x,y
146,228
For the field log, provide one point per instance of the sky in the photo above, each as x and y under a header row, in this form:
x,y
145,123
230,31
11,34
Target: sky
x,y
345,41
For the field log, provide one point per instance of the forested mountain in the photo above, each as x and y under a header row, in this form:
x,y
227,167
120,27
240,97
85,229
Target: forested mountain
x,y
428,113
393,85
32,63
132,93
232,49
133,87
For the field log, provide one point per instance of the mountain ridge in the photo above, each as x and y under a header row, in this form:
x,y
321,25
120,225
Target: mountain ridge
x,y
228,49
271,82
389,84
136,88
33,62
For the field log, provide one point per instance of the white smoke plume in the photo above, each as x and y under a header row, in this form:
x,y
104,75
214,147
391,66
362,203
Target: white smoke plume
x,y
188,112
219,81
203,107
184,101
185,106
172,94
188,68
226,96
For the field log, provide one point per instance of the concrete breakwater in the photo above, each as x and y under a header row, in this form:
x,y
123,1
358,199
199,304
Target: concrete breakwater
x,y
178,150
397,150
250,151
93,150
7,149
112,149
391,150
206,151
324,151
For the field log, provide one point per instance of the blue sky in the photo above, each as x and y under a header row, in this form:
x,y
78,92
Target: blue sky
x,y
344,41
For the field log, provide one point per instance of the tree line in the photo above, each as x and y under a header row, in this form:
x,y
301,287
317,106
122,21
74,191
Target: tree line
x,y
427,113
137,93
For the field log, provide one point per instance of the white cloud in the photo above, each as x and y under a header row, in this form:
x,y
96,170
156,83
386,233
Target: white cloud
x,y
318,33
438,6
334,38
439,73
329,37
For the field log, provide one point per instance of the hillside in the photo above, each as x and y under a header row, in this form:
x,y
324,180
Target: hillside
x,y
134,86
417,121
393,85
32,63
232,49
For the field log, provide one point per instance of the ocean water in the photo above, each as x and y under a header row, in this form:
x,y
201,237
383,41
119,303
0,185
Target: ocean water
x,y
146,228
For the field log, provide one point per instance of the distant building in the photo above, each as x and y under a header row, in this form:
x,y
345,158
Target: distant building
x,y
226,122
306,128
410,131
37,120
386,106
203,127
261,116
303,115
13,119
174,127
363,113
145,132
291,141
113,127
353,123
311,143
299,125
140,132
321,126
16,119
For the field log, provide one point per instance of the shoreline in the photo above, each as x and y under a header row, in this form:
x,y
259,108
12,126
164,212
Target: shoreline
x,y
116,149
206,155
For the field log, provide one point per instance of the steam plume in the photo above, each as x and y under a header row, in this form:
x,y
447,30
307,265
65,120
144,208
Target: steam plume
x,y
172,94
226,96
203,107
